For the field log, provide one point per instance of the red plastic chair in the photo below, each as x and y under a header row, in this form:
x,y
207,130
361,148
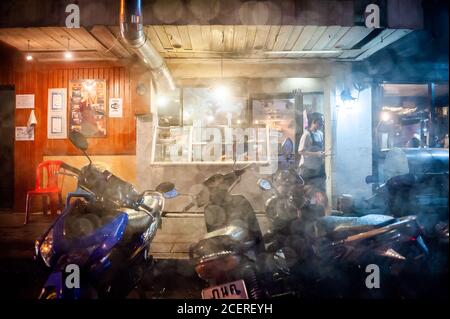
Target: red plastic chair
x,y
51,187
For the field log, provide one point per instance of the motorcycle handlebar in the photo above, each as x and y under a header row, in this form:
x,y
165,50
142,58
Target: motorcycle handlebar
x,y
70,168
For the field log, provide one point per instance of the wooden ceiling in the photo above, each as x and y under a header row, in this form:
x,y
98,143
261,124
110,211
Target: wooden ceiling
x,y
207,41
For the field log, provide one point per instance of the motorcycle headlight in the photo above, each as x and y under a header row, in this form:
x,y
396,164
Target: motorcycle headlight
x,y
46,248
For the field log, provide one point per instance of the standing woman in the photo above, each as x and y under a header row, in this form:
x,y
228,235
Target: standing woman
x,y
311,150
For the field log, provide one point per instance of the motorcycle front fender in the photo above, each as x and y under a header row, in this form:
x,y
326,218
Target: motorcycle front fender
x,y
53,287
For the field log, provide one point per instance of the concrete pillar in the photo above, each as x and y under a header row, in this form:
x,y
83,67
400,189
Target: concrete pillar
x,y
329,106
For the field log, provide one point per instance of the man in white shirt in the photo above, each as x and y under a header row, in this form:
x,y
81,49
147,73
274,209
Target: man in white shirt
x,y
311,149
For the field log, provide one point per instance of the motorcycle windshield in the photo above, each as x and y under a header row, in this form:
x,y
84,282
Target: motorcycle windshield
x,y
85,232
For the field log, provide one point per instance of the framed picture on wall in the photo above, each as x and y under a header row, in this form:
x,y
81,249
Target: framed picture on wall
x,y
56,124
88,107
57,101
57,113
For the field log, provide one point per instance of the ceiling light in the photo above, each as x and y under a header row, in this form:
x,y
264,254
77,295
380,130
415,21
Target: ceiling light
x,y
68,54
29,57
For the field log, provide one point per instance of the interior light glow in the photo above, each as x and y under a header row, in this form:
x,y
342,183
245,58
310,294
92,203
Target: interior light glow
x,y
29,57
221,92
68,55
162,100
385,116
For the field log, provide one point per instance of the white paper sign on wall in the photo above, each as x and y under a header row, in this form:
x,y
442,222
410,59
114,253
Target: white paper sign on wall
x,y
25,101
24,134
115,107
57,114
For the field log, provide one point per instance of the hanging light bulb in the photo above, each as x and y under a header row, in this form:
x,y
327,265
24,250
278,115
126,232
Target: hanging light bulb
x,y
220,91
29,57
68,55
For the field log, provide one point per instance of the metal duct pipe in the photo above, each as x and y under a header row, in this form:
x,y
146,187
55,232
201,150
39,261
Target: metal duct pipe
x,y
132,32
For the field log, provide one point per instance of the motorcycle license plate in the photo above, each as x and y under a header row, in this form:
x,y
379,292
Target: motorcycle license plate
x,y
231,290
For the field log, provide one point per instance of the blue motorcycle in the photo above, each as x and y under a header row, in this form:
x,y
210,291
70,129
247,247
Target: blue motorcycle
x,y
99,246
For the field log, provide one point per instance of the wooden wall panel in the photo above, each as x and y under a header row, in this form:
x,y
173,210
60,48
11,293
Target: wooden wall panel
x,y
120,139
37,78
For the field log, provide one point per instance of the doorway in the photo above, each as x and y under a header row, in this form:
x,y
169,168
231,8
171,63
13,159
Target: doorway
x,y
7,94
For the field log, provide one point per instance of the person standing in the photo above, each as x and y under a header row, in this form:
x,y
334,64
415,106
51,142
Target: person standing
x,y
311,150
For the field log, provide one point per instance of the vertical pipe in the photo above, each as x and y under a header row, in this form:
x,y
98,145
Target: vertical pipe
x,y
432,101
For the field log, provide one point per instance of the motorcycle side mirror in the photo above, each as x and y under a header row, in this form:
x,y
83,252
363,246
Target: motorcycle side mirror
x,y
371,179
79,140
167,189
264,184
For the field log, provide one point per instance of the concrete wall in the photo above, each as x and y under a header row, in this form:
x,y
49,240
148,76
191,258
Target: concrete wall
x,y
352,145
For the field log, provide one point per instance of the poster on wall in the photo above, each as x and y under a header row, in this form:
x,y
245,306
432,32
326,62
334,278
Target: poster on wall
x,y
57,114
88,107
25,101
115,107
23,133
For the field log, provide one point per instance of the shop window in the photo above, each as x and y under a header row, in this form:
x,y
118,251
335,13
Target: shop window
x,y
215,130
413,115
213,106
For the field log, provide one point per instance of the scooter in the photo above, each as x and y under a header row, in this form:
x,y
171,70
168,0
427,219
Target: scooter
x,y
314,243
226,257
99,246
305,236
425,193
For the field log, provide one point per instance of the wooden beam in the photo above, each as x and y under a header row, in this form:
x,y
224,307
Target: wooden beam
x,y
253,68
382,41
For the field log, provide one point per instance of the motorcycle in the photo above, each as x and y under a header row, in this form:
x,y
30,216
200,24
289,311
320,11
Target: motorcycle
x,y
99,246
226,258
426,193
315,244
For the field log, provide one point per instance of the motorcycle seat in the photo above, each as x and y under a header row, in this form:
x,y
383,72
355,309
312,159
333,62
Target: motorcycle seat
x,y
138,221
235,233
229,238
337,225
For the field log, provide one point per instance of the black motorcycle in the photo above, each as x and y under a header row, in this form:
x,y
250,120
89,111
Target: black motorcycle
x,y
315,244
227,256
